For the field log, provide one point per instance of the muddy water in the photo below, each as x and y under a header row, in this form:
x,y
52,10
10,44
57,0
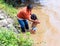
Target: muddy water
x,y
52,35
39,37
48,33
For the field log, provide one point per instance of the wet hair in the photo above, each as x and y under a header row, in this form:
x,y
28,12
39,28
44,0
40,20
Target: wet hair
x,y
33,17
29,6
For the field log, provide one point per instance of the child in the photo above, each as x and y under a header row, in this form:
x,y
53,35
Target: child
x,y
34,24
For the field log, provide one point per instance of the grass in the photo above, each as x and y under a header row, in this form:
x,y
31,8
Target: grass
x,y
6,37
10,38
9,9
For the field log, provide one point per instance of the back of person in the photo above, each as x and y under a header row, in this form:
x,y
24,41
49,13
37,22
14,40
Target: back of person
x,y
24,14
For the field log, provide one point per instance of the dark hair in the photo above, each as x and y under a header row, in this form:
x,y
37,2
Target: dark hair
x,y
33,17
29,6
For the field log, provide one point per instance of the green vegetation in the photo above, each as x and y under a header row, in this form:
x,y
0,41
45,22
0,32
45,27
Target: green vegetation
x,y
9,9
14,3
9,38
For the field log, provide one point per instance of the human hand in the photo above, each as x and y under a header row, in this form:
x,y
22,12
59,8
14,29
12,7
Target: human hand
x,y
36,21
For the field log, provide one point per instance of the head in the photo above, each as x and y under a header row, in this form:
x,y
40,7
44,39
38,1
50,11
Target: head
x,y
29,7
33,17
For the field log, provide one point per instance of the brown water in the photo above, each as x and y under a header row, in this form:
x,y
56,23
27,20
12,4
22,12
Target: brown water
x,y
42,28
48,33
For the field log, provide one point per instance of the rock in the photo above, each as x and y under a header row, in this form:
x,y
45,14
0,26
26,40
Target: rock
x,y
10,21
3,23
7,22
1,17
11,27
4,15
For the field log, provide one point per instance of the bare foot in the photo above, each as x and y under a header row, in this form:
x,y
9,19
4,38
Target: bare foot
x,y
32,32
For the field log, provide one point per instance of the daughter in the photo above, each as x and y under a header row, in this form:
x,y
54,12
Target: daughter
x,y
34,24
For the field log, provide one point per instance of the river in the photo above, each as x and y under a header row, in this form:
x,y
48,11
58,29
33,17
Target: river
x,y
48,33
52,34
